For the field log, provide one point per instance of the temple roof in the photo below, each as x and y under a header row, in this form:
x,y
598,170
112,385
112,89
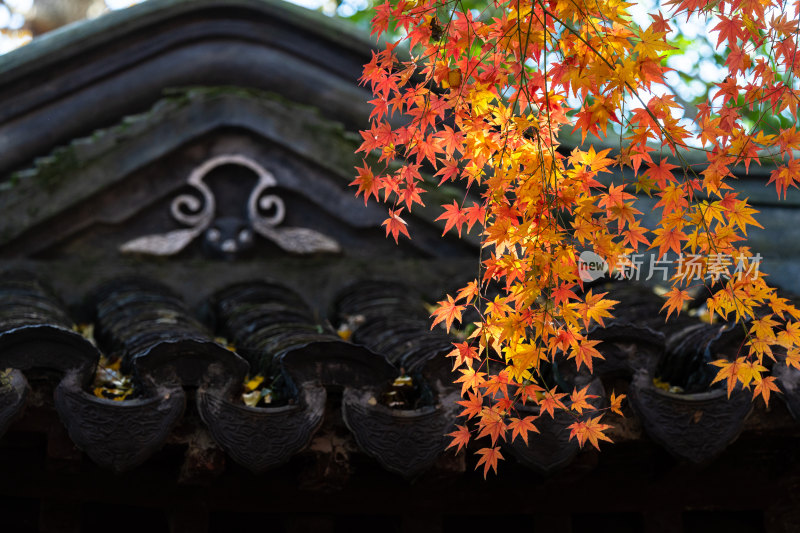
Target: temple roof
x,y
176,203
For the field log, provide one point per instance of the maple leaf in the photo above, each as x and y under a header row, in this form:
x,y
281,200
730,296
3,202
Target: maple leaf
x,y
651,43
763,387
591,430
616,403
491,423
790,336
460,438
635,235
366,182
661,173
740,213
520,427
454,217
470,292
729,371
675,300
596,308
451,140
497,383
616,196
470,379
532,390
660,24
447,311
410,194
449,171
785,176
475,213
729,28
395,225
489,458
380,21
552,401
579,400
583,352
563,294
463,353
472,406
793,358
668,239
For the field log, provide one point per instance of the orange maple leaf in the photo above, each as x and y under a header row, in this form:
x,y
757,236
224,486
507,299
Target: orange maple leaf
x,y
473,406
489,457
491,423
454,217
661,173
531,390
448,311
763,387
583,352
470,379
551,401
463,353
591,430
460,438
616,403
793,358
579,400
470,292
596,308
520,427
668,239
675,299
730,371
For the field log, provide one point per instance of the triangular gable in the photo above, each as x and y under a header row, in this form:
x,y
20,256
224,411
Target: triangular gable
x,y
116,175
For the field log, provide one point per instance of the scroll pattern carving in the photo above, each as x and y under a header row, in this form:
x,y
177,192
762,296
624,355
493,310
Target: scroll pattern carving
x,y
265,213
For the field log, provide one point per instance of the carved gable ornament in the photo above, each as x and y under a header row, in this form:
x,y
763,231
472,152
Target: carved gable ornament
x,y
230,236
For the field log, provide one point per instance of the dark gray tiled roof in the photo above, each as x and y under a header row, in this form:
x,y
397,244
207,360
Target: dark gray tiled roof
x,y
174,357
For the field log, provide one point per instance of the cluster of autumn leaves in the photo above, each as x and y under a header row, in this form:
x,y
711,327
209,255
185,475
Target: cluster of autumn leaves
x,y
480,100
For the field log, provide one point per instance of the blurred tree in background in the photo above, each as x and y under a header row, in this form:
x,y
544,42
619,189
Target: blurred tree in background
x,y
21,20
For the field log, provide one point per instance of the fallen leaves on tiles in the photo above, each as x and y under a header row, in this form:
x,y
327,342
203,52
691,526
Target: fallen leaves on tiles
x,y
109,381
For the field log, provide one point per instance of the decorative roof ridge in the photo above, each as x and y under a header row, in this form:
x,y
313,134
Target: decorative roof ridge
x,y
38,184
84,150
35,194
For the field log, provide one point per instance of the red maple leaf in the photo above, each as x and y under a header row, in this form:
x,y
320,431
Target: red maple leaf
x,y
395,225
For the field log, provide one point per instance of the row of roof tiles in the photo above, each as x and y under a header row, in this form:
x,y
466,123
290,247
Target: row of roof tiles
x,y
172,356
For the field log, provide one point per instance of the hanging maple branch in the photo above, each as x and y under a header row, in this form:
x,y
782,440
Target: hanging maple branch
x,y
482,101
